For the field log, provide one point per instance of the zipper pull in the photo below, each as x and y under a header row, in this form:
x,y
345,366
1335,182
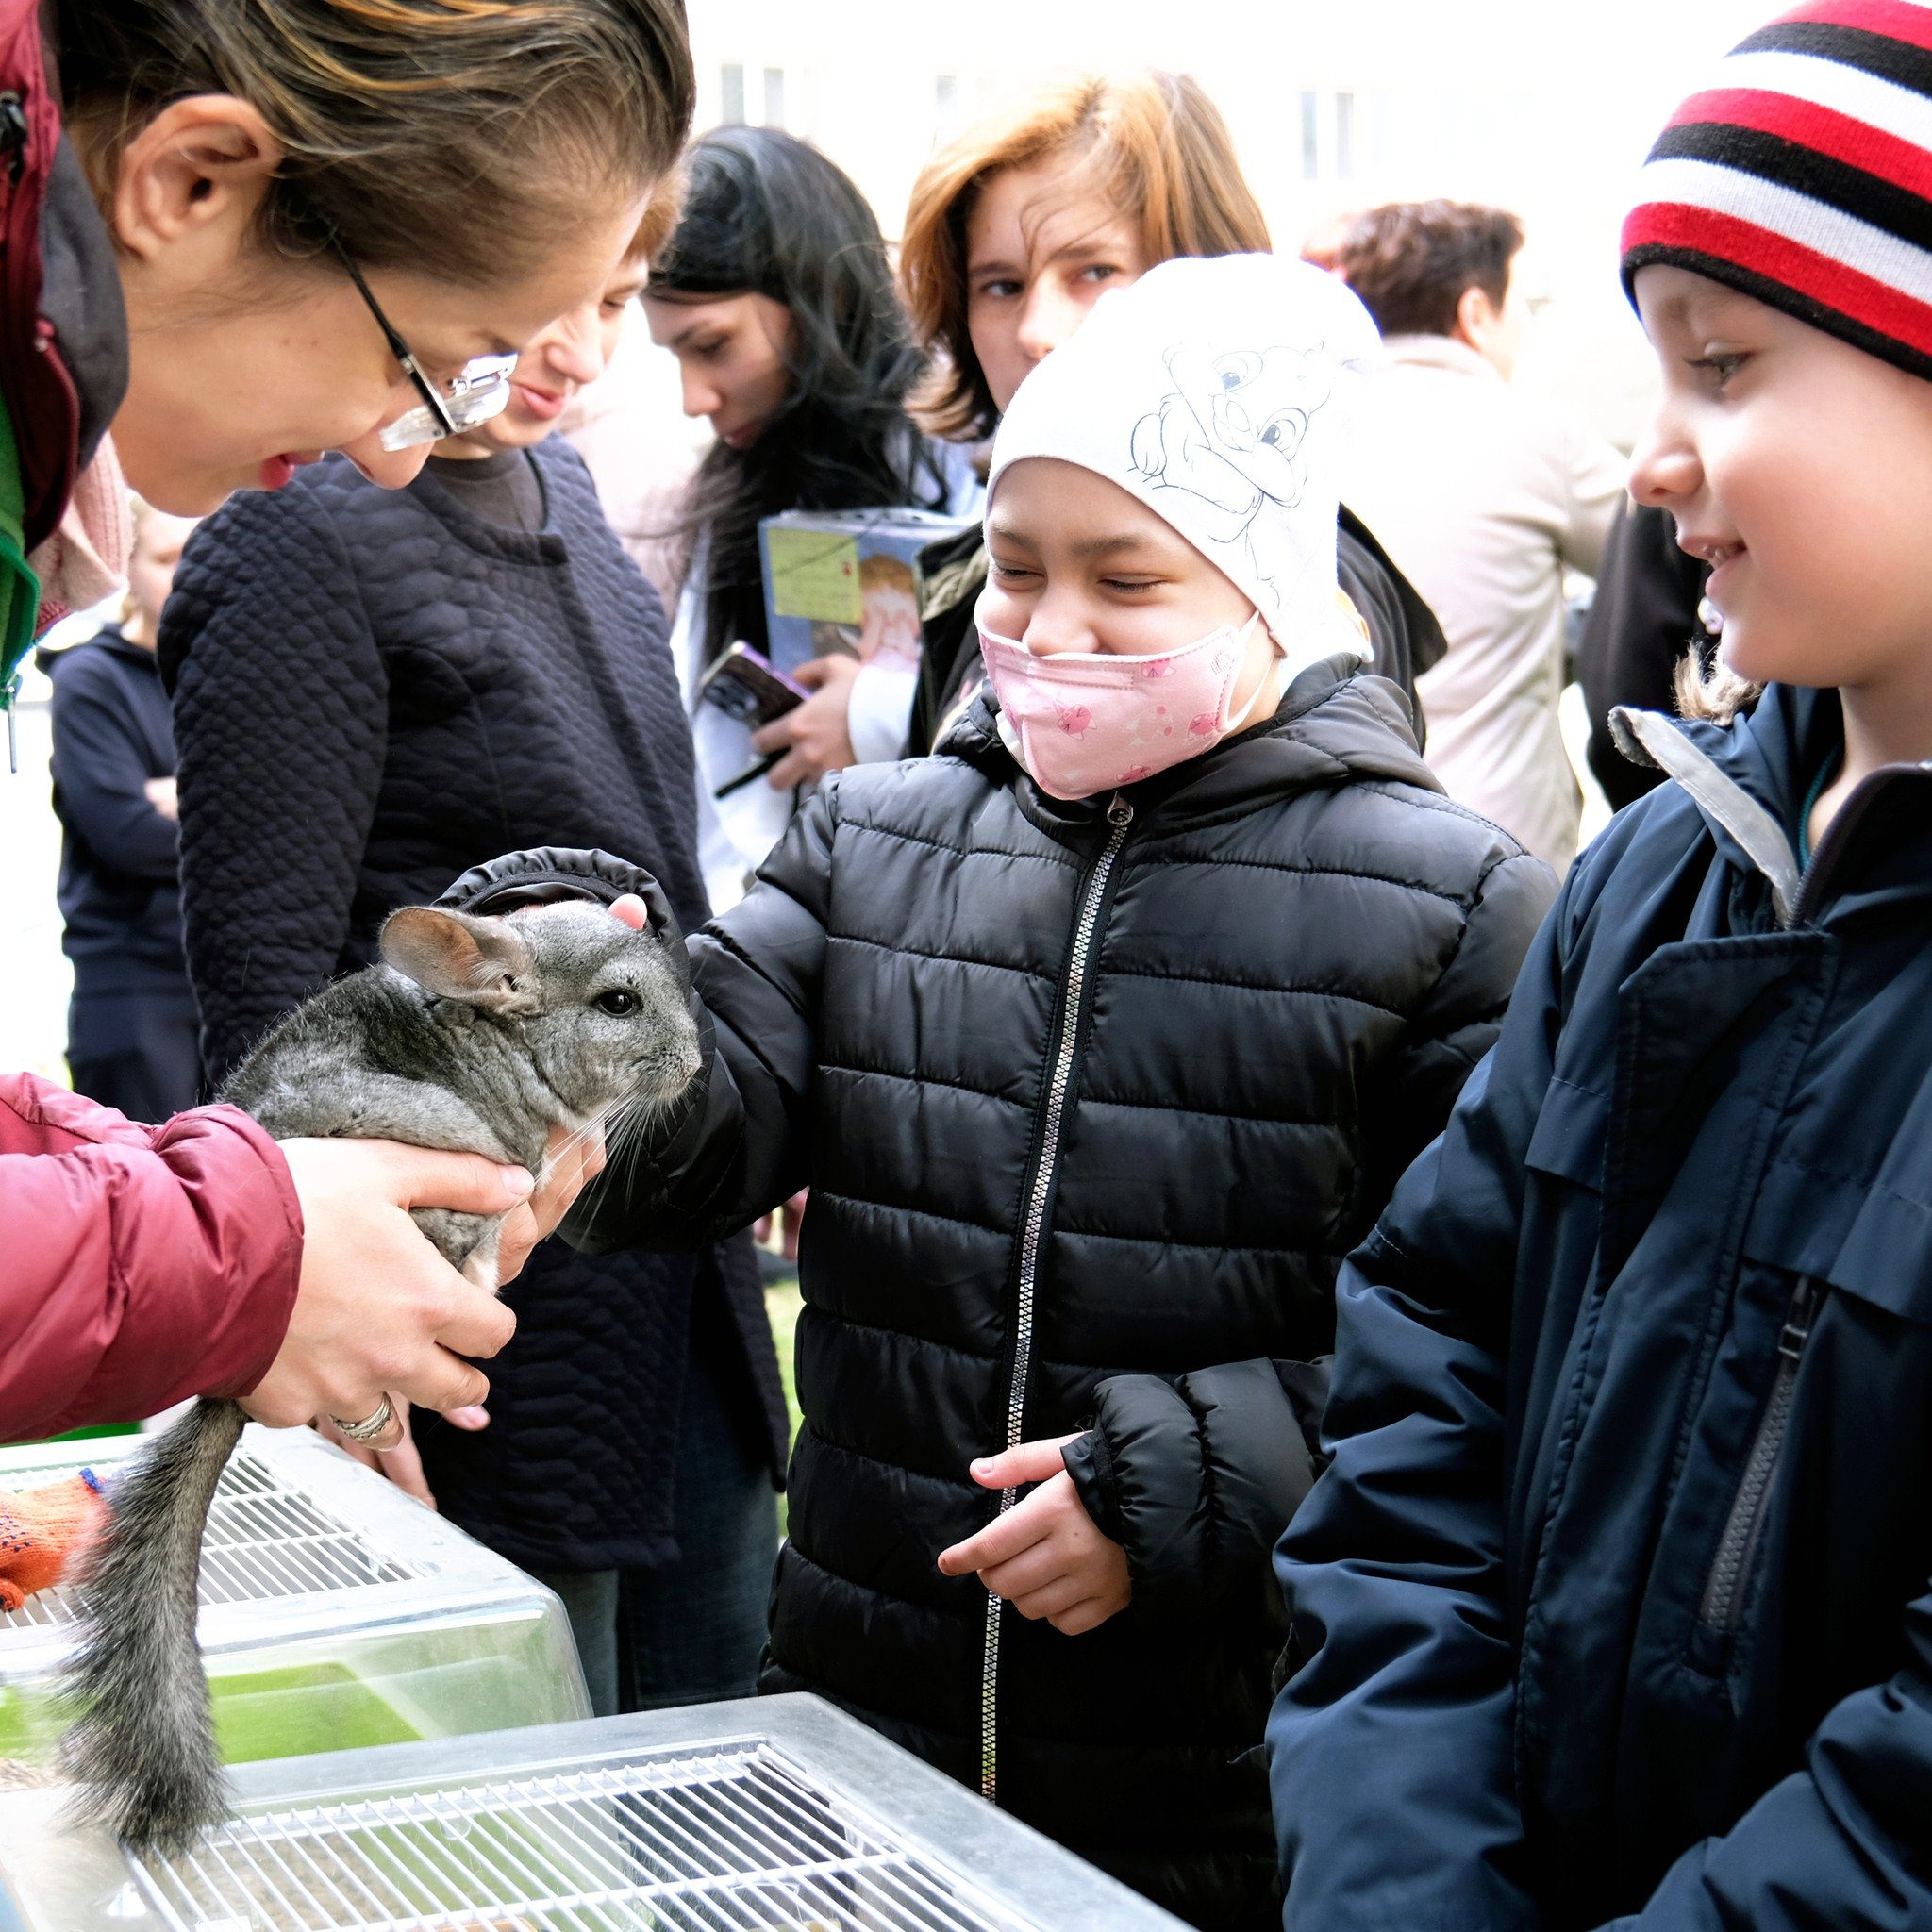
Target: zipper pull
x,y
1119,812
9,693
1797,1328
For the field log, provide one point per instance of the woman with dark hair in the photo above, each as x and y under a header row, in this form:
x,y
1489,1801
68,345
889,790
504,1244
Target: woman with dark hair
x,y
238,236
775,295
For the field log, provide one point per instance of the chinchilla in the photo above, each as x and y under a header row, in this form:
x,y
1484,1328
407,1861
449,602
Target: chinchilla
x,y
475,1034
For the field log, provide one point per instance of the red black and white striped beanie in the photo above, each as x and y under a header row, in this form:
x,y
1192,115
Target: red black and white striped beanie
x,y
1804,176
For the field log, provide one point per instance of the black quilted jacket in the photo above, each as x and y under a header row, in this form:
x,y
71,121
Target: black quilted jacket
x,y
374,691
1191,1035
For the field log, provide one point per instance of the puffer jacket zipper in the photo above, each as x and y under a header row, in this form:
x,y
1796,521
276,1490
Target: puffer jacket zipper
x,y
1119,815
1730,1571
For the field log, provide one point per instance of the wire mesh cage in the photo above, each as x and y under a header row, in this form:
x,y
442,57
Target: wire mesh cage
x,y
737,1836
334,1611
265,1538
780,1813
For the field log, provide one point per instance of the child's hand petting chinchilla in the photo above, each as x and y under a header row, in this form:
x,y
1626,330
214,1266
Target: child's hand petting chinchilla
x,y
571,1164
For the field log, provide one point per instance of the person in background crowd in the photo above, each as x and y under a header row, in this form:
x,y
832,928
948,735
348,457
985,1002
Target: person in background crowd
x,y
1648,615
1613,1608
376,690
1099,1037
776,295
1483,496
640,454
132,1031
307,226
1014,232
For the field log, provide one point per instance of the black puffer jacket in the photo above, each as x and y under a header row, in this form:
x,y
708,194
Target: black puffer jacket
x,y
1194,1035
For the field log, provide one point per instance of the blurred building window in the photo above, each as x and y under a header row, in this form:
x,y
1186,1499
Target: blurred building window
x,y
1311,137
774,97
1344,136
731,94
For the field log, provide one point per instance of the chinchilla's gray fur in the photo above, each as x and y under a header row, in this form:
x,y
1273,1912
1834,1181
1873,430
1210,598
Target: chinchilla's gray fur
x,y
475,1034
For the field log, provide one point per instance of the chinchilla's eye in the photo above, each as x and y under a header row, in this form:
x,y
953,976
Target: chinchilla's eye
x,y
617,1000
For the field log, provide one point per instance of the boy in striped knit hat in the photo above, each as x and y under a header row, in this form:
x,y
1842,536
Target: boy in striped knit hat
x,y
1615,1605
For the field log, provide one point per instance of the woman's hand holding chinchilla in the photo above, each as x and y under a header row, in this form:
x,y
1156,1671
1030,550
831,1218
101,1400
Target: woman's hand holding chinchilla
x,y
378,1311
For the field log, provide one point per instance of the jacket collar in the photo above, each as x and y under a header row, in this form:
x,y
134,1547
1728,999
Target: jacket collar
x,y
951,571
1336,723
80,295
109,639
1749,781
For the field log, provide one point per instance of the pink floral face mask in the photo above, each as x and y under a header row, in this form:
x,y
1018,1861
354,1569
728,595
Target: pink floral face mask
x,y
1083,721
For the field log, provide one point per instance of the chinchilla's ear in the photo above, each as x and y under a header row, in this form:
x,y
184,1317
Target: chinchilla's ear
x,y
484,962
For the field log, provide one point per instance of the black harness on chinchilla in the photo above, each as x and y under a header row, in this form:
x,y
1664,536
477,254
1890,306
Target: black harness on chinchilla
x,y
514,1005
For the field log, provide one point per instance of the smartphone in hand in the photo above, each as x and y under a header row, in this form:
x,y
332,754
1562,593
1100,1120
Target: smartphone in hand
x,y
744,685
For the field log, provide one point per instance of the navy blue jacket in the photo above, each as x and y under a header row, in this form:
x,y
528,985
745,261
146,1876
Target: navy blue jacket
x,y
1614,1606
118,895
376,690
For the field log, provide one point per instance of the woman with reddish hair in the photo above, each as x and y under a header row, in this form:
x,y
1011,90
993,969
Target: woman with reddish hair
x,y
1012,234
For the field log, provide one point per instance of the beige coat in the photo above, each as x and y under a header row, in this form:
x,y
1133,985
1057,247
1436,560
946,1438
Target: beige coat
x,y
1483,494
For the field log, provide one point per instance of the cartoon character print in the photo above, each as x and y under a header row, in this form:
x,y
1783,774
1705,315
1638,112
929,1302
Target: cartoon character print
x,y
1230,434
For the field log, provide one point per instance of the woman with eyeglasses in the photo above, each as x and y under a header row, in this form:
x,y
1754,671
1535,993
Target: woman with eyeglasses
x,y
233,236
376,690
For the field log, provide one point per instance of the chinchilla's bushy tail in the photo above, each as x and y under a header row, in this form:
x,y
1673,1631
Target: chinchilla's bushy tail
x,y
142,1748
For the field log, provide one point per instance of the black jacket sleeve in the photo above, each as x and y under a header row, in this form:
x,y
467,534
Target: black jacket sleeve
x,y
282,724
1407,1103
1393,1571
1642,620
734,1147
100,774
1196,1479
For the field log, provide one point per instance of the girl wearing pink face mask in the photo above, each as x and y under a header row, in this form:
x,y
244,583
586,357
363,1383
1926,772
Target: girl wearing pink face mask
x,y
1100,1038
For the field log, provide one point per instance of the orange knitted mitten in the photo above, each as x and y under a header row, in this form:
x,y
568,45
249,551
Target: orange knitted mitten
x,y
41,1530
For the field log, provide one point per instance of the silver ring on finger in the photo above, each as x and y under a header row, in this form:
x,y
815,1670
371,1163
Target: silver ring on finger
x,y
372,1428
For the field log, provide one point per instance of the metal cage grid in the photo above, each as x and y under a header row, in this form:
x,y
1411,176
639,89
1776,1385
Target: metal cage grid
x,y
264,1539
726,1835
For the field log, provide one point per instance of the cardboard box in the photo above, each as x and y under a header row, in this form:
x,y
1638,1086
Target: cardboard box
x,y
846,581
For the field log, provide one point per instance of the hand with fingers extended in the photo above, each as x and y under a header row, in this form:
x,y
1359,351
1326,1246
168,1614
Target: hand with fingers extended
x,y
815,736
1044,1555
572,1161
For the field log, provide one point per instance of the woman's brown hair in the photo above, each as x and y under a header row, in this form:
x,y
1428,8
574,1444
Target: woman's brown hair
x,y
1148,144
453,138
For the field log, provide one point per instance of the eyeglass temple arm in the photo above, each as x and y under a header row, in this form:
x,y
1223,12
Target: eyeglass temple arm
x,y
397,347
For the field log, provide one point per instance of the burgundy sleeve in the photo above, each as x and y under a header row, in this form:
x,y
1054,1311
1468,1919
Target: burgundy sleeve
x,y
143,1264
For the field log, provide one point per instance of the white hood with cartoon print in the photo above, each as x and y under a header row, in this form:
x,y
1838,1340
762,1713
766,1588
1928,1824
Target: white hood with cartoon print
x,y
1217,390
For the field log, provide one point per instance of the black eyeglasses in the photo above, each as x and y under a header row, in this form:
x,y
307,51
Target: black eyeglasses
x,y
477,393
